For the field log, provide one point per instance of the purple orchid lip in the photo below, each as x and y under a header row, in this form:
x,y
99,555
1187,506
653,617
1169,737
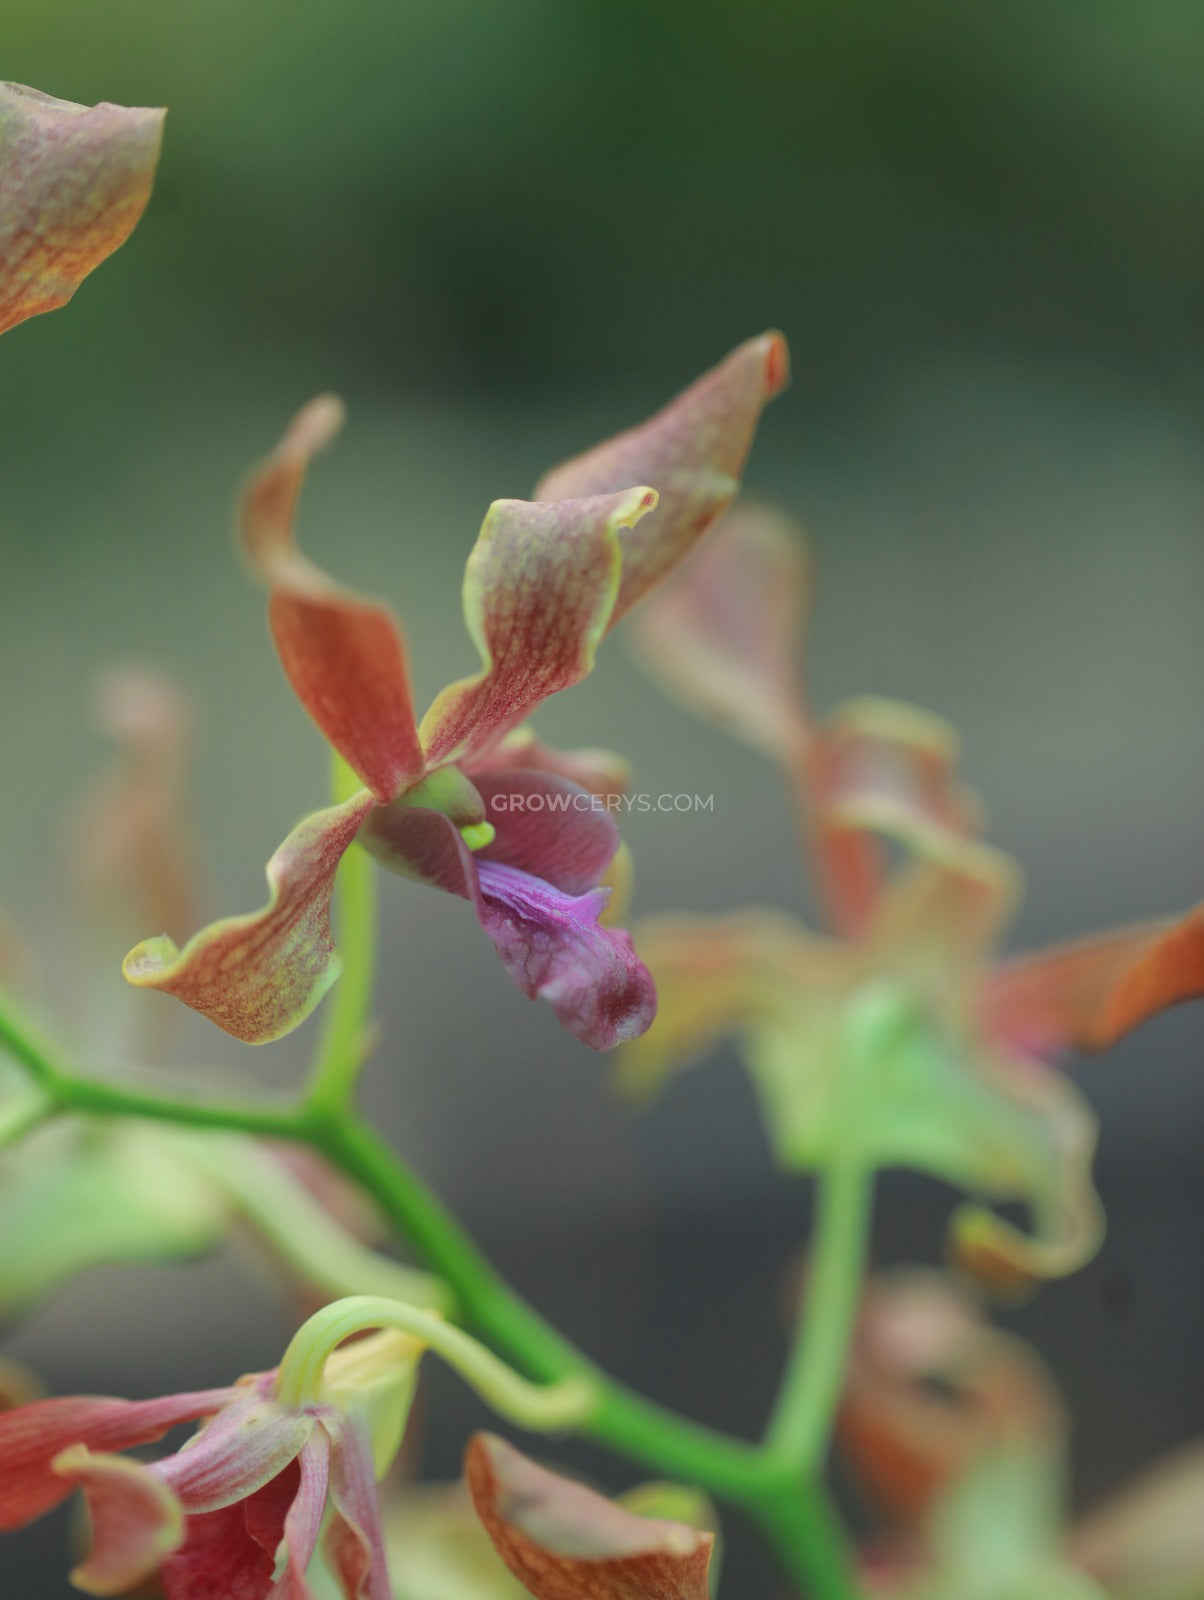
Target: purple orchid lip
x,y
553,945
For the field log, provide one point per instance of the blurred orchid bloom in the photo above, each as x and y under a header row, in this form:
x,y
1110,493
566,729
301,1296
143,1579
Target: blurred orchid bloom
x,y
77,1193
255,1481
545,582
74,181
560,1539
957,1431
900,1039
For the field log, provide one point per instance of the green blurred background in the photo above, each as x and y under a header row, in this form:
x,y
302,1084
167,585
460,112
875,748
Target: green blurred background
x,y
503,231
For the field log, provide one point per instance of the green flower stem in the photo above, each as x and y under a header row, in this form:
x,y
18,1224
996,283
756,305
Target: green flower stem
x,y
346,1028
546,1407
792,1509
814,1375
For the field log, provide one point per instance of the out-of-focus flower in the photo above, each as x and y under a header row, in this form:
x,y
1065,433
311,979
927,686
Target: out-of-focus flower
x,y
74,181
545,582
79,1193
901,1041
957,1431
252,1486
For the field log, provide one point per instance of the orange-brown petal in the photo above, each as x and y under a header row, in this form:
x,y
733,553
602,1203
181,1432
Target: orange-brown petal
x,y
343,653
260,975
692,452
564,1542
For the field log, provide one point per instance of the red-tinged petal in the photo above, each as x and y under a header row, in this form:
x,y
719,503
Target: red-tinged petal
x,y
1147,1542
1087,994
220,1560
539,590
33,1435
878,767
354,1545
693,454
303,1522
723,635
74,181
551,943
258,976
131,850
602,772
547,826
344,654
247,1444
565,1542
136,1519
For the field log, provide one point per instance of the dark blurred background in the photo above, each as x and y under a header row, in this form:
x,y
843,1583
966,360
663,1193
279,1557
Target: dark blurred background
x,y
503,232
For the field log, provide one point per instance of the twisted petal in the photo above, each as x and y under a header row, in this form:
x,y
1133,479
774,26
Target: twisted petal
x,y
566,1543
723,635
33,1435
343,653
1086,995
259,976
539,590
303,1521
879,768
74,180
692,452
547,826
136,1519
354,1544
1147,1543
551,943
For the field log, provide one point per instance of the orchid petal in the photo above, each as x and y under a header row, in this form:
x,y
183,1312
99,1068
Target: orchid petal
x,y
551,943
136,1519
1089,993
220,1558
74,181
1147,1542
565,1542
249,1441
343,653
539,590
259,976
692,452
877,767
547,826
602,772
438,1550
33,1435
354,1543
303,1523
723,634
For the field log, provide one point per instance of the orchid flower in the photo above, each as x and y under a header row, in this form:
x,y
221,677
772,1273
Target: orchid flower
x,y
957,1431
545,582
77,1193
258,1478
74,181
899,1038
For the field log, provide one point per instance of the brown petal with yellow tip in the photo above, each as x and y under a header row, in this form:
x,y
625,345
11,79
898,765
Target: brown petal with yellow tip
x,y
564,1542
